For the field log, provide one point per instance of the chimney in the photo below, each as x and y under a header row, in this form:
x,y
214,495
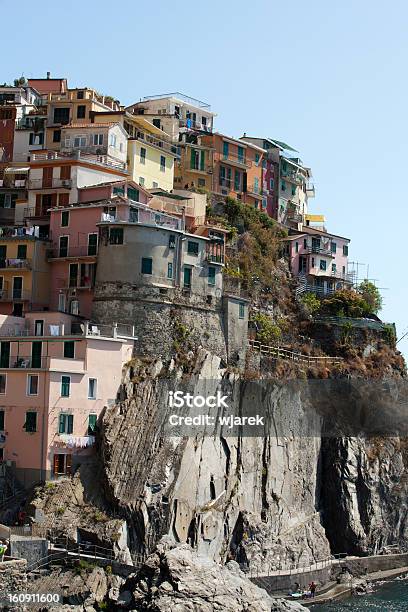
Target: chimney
x,y
48,75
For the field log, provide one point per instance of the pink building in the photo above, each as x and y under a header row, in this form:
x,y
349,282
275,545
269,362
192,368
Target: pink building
x,y
319,260
57,373
74,235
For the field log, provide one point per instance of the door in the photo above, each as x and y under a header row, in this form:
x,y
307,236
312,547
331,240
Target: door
x,y
3,255
92,244
302,265
17,287
187,277
5,354
39,328
73,275
315,245
36,349
62,464
47,177
63,246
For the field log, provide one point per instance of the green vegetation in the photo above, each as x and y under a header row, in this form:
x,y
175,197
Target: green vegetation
x,y
311,302
268,332
389,331
371,295
345,303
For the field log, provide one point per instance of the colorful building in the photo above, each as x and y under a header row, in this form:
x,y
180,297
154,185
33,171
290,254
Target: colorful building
x,y
24,271
319,260
74,251
57,374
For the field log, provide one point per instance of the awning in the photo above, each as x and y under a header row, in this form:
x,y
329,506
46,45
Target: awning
x,y
15,170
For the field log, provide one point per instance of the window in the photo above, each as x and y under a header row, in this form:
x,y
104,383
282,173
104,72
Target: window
x,y
65,386
112,140
297,247
74,307
257,158
264,203
133,194
155,185
169,270
61,115
98,139
142,155
201,182
344,269
333,247
241,154
79,142
192,247
92,244
116,235
92,418
334,267
313,262
323,264
80,95
92,388
17,287
241,310
30,424
3,384
22,251
271,184
293,190
147,265
211,275
81,110
156,122
162,163
1,420
66,423
141,181
283,185
73,275
305,243
172,241
69,349
63,246
256,184
56,136
345,250
32,384
65,218
237,181
187,277
225,149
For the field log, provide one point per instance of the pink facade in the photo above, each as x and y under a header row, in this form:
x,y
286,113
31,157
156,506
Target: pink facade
x,y
320,259
74,234
55,380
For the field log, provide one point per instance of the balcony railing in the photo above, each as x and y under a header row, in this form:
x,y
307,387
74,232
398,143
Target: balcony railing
x,y
13,183
24,362
102,160
190,124
55,183
85,282
156,142
13,295
320,251
78,251
15,263
235,160
182,97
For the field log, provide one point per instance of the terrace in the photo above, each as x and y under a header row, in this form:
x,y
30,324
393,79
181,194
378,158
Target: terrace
x,y
99,160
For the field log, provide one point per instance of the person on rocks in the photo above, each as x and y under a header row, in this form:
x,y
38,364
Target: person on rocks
x,y
312,588
3,549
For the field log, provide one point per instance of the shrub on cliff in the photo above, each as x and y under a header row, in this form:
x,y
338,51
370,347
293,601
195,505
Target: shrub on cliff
x,y
345,303
311,302
267,331
370,294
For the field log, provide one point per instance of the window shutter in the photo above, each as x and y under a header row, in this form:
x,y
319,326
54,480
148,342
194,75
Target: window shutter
x,y
61,426
192,158
70,424
68,464
55,464
202,160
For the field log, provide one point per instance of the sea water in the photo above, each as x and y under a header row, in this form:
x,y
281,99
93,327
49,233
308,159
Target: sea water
x,y
388,597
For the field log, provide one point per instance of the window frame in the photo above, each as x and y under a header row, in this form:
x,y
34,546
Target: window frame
x,y
67,381
192,252
241,310
69,343
28,390
91,432
212,276
145,260
65,215
162,163
66,423
94,396
5,384
30,412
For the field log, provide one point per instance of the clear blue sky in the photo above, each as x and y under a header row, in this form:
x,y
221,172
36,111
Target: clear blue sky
x,y
330,78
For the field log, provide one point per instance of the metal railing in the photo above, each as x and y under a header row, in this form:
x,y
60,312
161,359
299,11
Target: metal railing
x,y
278,352
10,295
191,124
182,97
24,362
143,137
320,251
13,183
78,251
233,159
55,183
293,569
15,263
103,160
75,283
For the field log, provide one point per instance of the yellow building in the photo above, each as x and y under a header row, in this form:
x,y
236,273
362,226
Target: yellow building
x,y
151,153
24,272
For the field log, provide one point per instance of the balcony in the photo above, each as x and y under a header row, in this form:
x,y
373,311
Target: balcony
x,y
99,160
74,252
291,176
85,282
314,250
31,123
148,139
182,97
254,191
13,295
15,264
310,190
190,124
10,183
24,362
55,183
233,160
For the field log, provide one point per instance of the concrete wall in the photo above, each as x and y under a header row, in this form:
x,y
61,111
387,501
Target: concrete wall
x,y
13,578
31,549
